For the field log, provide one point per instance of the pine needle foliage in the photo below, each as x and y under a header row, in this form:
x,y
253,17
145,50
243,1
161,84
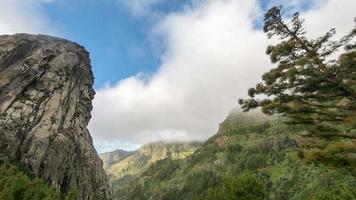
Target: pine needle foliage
x,y
308,87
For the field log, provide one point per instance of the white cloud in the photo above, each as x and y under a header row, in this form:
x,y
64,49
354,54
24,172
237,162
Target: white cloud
x,y
338,14
139,7
18,16
324,15
107,146
203,73
212,56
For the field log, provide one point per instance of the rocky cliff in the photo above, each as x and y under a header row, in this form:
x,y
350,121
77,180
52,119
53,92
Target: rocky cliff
x,y
45,103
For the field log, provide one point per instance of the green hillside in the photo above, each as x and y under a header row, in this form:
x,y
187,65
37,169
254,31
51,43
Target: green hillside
x,y
251,157
133,164
110,158
17,184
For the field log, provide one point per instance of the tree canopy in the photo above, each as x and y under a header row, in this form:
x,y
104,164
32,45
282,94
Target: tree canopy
x,y
308,86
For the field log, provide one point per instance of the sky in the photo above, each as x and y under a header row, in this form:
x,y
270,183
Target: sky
x,y
167,70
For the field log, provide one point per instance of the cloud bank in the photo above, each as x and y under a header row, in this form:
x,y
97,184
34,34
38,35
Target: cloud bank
x,y
205,68
213,53
19,16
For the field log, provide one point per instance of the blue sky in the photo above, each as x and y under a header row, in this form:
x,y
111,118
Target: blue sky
x,y
118,41
167,70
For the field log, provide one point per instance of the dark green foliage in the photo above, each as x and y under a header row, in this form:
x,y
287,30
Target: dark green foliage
x,y
253,162
197,182
311,182
16,184
166,172
233,149
161,171
244,166
306,86
95,196
249,123
72,194
244,187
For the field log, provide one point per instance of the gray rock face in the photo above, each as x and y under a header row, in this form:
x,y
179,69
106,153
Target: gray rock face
x,y
45,103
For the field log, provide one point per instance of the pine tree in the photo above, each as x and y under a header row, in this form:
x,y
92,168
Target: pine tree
x,y
307,86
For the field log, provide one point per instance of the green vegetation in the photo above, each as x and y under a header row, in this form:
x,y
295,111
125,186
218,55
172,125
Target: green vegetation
x,y
310,89
261,163
17,184
244,187
122,171
72,194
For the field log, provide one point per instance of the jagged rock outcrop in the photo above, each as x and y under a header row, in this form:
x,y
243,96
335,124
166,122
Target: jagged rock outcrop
x,y
45,103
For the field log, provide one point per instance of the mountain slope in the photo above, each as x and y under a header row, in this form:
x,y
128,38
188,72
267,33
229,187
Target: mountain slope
x,y
110,158
45,103
251,157
122,172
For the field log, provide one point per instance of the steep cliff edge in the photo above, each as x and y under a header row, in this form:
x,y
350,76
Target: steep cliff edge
x,y
45,103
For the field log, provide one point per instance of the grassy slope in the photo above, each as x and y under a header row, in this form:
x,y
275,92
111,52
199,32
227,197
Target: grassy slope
x,y
247,143
121,173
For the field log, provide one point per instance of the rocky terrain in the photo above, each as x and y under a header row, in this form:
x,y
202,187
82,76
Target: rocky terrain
x,y
45,103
